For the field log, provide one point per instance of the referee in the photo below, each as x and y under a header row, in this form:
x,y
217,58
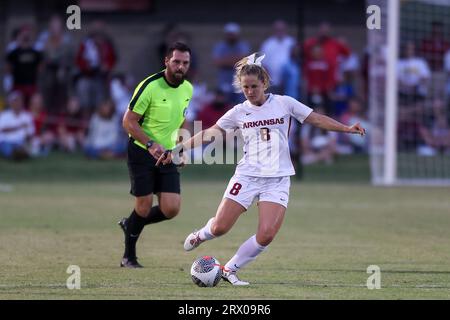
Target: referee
x,y
156,112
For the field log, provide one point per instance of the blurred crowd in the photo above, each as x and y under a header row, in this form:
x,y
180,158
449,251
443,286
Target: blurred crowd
x,y
424,94
66,96
61,95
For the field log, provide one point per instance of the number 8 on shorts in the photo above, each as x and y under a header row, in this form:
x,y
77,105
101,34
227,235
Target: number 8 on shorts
x,y
235,190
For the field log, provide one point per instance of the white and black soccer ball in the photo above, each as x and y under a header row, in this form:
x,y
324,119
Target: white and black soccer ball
x,y
206,271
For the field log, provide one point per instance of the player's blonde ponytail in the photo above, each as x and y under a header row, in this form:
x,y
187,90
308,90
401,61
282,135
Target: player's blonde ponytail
x,y
250,65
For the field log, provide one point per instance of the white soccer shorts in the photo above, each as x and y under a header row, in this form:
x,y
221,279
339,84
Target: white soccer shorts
x,y
245,189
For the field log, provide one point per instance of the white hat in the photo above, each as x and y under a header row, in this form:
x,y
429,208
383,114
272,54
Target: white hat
x,y
232,27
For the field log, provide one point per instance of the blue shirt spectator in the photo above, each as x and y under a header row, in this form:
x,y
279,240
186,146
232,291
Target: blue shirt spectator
x,y
226,53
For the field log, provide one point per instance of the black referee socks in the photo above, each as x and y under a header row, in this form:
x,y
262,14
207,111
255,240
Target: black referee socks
x,y
134,228
155,215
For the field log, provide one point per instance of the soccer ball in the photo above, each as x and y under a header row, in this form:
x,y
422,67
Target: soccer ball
x,y
206,271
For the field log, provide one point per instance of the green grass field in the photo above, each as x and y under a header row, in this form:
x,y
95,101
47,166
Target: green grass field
x,y
63,211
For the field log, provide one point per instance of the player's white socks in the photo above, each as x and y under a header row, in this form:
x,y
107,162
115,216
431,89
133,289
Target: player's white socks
x,y
205,232
246,253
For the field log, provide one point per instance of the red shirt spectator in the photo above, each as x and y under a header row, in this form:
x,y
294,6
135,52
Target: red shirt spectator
x,y
96,53
103,58
331,50
40,121
71,127
214,110
319,74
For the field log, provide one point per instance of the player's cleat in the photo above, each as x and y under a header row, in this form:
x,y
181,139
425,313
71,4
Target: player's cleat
x,y
130,263
192,241
231,277
123,223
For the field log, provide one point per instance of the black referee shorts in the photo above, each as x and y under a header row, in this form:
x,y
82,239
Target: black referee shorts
x,y
146,178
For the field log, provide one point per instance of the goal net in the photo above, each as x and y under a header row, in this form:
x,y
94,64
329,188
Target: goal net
x,y
409,92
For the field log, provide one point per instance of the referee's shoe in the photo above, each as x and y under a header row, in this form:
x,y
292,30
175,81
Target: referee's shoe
x,y
123,223
129,262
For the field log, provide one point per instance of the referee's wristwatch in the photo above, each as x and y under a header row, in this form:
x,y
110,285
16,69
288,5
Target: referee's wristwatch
x,y
149,144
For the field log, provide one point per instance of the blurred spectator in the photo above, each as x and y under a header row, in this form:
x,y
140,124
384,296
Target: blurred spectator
x,y
343,92
413,75
347,73
95,59
433,47
2,103
291,74
13,43
8,80
43,138
374,63
225,54
16,129
318,145
328,54
447,76
348,65
319,79
277,49
56,27
201,97
436,137
71,126
209,115
408,133
121,92
57,54
171,34
355,114
365,61
214,110
295,144
185,38
103,134
24,63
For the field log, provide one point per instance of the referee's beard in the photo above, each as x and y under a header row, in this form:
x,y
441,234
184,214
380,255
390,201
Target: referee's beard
x,y
176,78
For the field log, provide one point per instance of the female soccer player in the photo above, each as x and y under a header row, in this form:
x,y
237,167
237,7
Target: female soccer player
x,y
265,169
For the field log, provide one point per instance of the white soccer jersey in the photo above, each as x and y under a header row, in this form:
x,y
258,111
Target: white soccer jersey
x,y
265,130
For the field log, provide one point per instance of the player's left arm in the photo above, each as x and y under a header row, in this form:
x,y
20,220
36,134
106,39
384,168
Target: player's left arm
x,y
327,123
197,140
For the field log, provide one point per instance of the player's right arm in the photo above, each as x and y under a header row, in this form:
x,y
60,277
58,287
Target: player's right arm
x,y
131,125
327,123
